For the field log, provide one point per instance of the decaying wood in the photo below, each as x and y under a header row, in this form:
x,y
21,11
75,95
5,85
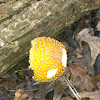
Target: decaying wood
x,y
23,20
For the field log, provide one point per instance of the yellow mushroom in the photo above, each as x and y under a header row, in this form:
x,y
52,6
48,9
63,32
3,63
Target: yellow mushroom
x,y
48,59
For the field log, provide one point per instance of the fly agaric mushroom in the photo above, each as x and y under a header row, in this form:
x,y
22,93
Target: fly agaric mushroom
x,y
48,59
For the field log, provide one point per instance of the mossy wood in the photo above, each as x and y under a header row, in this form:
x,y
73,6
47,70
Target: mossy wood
x,y
23,20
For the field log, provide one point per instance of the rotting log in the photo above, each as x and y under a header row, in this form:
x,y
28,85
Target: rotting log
x,y
23,20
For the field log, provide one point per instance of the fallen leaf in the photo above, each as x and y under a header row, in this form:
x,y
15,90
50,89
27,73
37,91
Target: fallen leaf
x,y
77,71
98,26
91,95
68,98
95,79
86,35
58,92
20,95
85,81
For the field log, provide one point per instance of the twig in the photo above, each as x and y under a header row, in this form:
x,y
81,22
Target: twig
x,y
74,91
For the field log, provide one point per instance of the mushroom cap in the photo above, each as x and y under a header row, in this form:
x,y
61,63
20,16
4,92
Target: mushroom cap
x,y
48,59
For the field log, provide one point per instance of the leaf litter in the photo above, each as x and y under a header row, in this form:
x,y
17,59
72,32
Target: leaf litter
x,y
86,35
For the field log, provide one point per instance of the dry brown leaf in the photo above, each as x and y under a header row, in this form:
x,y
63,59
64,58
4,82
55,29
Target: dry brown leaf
x,y
68,98
77,71
20,95
58,93
91,95
85,80
95,79
98,26
86,35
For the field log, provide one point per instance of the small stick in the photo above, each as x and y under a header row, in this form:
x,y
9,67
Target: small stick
x,y
74,91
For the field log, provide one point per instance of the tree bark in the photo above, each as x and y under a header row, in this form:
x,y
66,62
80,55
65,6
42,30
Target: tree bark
x,y
23,20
